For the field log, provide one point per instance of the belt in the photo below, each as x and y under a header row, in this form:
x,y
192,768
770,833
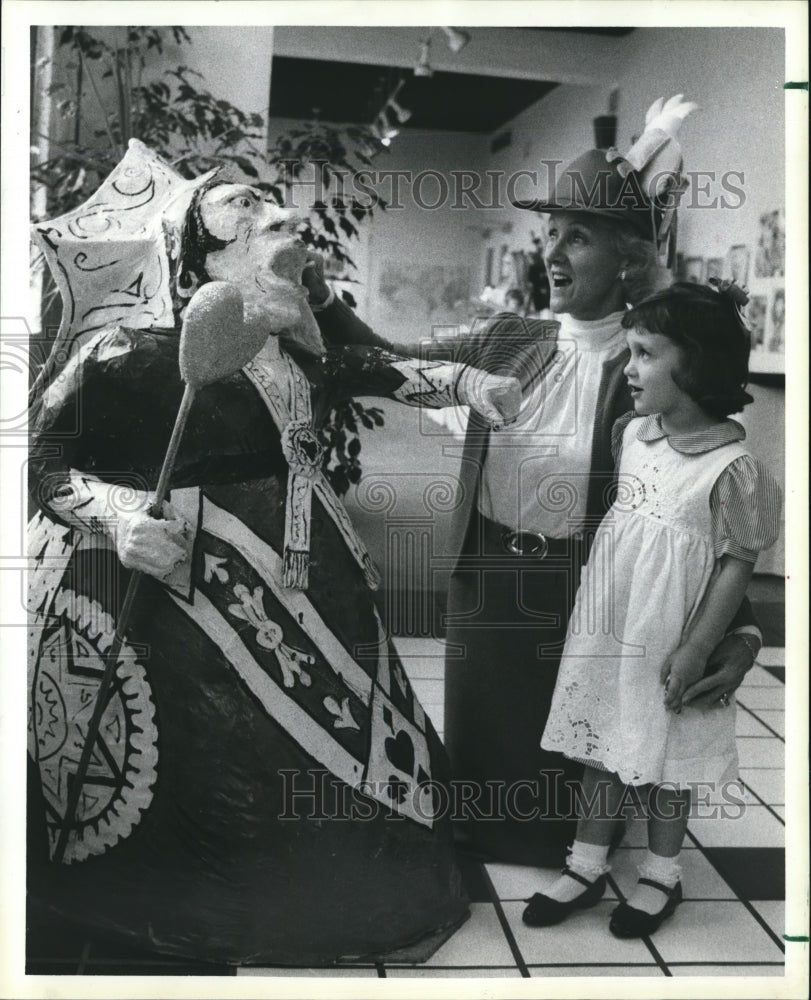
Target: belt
x,y
530,544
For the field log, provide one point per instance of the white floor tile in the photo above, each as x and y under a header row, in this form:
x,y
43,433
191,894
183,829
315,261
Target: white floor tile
x,y
408,648
756,827
479,942
763,697
772,656
738,971
776,720
761,753
748,725
773,912
365,973
424,667
759,677
699,879
471,972
768,783
429,692
584,936
595,971
519,882
714,931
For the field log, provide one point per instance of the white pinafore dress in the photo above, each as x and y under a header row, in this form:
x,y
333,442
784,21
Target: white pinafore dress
x,y
649,568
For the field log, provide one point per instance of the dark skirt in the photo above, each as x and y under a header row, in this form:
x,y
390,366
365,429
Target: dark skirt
x,y
507,618
226,815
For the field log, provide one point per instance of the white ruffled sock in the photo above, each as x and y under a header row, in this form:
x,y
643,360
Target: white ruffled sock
x,y
667,871
588,860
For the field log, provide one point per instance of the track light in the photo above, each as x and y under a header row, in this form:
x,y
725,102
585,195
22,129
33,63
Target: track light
x,y
423,66
403,114
385,129
457,38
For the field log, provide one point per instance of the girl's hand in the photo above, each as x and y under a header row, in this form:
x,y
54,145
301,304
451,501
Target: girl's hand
x,y
682,669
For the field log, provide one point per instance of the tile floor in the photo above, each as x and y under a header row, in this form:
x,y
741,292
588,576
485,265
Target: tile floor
x,y
731,923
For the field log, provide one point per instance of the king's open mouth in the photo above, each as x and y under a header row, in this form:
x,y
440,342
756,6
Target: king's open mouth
x,y
288,262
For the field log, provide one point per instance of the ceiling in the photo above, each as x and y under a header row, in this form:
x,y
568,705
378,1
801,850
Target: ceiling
x,y
354,92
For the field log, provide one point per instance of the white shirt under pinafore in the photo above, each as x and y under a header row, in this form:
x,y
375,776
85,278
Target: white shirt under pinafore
x,y
650,565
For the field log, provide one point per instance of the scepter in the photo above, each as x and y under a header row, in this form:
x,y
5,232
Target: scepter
x,y
207,354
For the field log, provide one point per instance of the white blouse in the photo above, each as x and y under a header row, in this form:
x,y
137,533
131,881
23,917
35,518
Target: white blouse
x,y
536,471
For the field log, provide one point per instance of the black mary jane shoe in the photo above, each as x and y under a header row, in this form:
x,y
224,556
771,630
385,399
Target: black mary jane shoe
x,y
543,911
629,922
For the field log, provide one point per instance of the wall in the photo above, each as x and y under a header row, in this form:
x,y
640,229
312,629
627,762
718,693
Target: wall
x,y
736,77
417,251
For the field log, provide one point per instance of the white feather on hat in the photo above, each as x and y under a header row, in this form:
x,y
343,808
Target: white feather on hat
x,y
656,154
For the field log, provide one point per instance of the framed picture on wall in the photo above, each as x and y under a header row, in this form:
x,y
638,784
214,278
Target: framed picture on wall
x,y
771,245
737,264
715,268
765,317
694,269
756,321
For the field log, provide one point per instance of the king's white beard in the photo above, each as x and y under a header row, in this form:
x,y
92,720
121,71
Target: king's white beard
x,y
285,309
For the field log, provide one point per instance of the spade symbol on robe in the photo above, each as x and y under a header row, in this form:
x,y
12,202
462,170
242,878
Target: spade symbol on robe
x,y
134,288
400,751
396,789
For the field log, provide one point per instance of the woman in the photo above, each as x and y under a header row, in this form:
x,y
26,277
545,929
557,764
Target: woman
x,y
534,493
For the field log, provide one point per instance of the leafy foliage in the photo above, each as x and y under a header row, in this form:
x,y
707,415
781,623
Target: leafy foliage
x,y
115,94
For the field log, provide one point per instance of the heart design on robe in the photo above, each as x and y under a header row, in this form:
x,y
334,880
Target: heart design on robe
x,y
400,751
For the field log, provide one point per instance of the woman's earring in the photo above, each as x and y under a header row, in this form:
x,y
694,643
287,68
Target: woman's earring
x,y
622,275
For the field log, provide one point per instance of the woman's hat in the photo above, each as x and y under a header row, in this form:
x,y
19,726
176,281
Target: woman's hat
x,y
594,183
640,189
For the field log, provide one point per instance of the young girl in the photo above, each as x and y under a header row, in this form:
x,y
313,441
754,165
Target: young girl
x,y
669,567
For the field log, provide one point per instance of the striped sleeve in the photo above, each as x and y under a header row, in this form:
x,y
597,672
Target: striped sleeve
x,y
745,506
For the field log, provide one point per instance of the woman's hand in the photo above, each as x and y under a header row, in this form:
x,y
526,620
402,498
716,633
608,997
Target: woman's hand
x,y
681,670
736,656
496,398
312,277
153,545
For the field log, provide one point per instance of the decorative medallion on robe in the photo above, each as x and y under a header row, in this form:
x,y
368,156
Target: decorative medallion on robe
x,y
123,768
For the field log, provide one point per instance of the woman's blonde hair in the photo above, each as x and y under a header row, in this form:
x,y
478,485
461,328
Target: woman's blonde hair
x,y
643,274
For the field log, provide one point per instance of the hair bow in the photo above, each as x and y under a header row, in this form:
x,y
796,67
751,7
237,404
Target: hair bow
x,y
730,289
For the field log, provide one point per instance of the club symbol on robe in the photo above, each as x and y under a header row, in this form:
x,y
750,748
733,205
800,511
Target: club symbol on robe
x,y
343,715
269,635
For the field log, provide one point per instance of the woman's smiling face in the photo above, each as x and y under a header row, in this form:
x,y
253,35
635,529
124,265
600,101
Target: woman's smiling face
x,y
583,266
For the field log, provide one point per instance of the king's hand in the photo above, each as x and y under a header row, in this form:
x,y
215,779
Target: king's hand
x,y
157,546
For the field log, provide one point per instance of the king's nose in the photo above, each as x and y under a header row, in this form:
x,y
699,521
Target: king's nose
x,y
286,219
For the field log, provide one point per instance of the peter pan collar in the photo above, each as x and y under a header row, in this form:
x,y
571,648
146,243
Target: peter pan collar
x,y
695,443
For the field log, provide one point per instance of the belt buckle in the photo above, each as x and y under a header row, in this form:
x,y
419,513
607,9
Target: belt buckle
x,y
525,543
